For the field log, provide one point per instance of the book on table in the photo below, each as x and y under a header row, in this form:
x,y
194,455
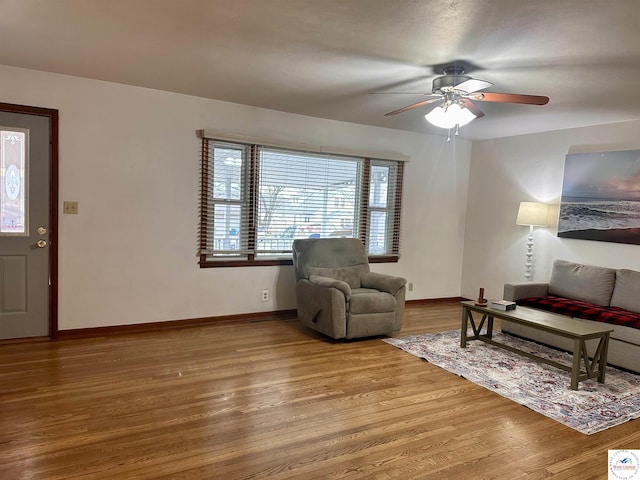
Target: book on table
x,y
502,305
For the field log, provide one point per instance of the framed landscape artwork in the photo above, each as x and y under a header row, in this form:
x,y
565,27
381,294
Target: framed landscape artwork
x,y
601,197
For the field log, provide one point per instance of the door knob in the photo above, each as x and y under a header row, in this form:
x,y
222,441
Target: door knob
x,y
41,243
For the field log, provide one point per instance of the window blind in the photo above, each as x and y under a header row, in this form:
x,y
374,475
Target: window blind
x,y
305,195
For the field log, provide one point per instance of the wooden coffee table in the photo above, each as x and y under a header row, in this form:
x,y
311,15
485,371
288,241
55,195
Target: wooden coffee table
x,y
583,366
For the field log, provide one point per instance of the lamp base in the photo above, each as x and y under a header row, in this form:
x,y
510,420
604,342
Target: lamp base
x,y
528,264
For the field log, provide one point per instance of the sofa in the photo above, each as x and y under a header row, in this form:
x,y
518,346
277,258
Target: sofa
x,y
591,294
337,294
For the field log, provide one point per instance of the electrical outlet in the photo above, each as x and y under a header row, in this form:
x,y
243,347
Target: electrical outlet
x,y
70,208
410,286
265,295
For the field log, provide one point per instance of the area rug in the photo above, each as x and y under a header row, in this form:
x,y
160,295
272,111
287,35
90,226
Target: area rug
x,y
543,388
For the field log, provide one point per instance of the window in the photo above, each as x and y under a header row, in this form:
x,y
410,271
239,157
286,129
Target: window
x,y
256,199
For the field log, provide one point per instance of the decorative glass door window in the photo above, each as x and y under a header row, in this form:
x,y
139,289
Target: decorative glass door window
x,y
13,182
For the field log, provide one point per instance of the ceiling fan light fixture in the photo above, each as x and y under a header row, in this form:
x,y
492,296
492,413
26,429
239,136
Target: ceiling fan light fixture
x,y
449,116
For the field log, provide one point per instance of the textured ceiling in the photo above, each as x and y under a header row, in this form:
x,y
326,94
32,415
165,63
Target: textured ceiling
x,y
323,58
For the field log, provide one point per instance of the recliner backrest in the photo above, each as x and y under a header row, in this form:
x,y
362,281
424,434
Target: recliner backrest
x,y
340,258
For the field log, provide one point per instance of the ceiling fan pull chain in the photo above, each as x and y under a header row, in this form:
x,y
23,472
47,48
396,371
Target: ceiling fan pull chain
x,y
449,135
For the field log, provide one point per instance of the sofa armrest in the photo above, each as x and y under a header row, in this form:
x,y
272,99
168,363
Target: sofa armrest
x,y
382,282
516,291
326,282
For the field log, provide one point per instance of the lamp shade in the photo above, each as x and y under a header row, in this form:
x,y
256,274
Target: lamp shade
x,y
532,213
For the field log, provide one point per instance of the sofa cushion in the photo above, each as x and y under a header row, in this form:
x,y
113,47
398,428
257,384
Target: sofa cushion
x,y
587,283
626,293
584,310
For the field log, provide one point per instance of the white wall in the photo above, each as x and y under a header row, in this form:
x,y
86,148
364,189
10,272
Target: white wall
x,y
130,157
507,171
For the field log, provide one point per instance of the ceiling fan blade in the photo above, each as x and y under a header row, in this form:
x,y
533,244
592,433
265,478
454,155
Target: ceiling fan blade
x,y
406,93
415,105
472,107
472,85
510,98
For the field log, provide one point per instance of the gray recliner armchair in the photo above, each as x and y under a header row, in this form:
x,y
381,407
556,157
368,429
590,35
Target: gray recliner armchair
x,y
337,294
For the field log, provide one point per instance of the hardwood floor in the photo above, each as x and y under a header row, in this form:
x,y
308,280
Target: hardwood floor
x,y
270,399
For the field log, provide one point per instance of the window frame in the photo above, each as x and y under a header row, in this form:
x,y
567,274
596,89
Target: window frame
x,y
206,258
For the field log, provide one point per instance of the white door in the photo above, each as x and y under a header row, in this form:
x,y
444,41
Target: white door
x,y
25,170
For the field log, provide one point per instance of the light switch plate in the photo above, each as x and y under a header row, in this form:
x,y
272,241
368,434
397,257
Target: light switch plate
x,y
70,208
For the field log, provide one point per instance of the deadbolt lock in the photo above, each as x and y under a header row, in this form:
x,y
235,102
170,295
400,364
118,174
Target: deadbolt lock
x,y
42,231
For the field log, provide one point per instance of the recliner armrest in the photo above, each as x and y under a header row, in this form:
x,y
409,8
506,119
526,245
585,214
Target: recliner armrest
x,y
382,282
327,282
516,291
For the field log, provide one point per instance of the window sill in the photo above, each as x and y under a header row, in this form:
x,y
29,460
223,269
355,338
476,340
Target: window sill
x,y
280,261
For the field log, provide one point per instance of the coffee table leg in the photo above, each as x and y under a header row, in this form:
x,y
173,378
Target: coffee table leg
x,y
463,328
577,357
602,360
490,327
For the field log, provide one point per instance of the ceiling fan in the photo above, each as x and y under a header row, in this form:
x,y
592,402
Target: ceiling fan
x,y
455,93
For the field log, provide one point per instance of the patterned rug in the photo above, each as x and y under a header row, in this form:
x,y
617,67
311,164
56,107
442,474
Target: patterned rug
x,y
545,389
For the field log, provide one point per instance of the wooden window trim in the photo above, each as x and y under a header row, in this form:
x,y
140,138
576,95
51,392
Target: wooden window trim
x,y
206,260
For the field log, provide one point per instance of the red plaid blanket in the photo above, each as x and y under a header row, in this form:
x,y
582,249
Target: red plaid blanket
x,y
588,311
